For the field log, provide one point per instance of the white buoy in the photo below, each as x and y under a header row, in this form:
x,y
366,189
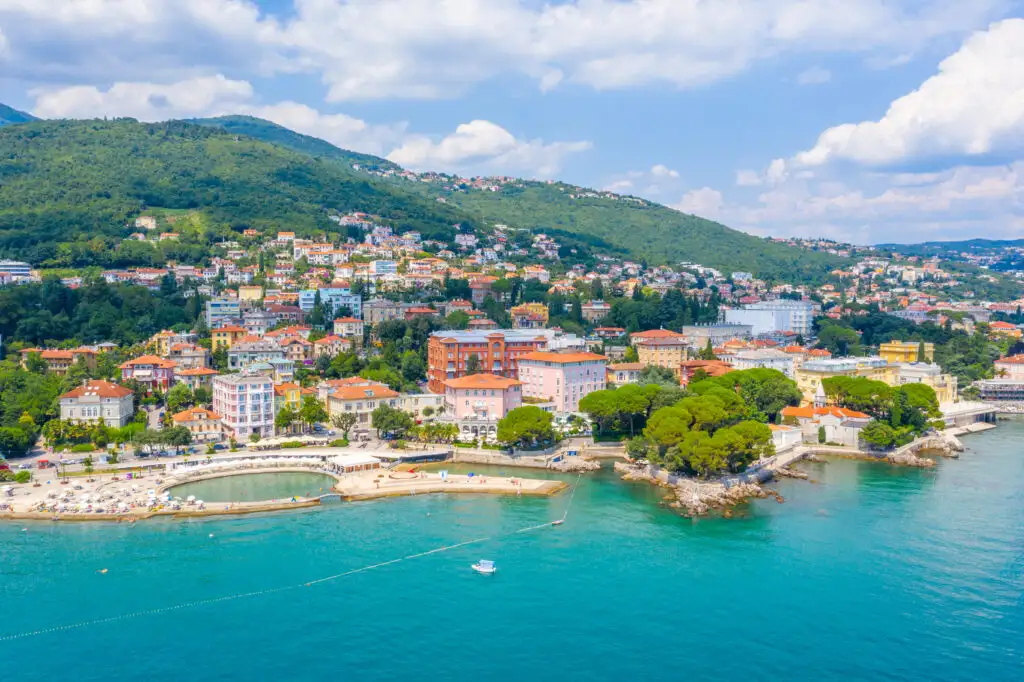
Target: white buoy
x,y
211,535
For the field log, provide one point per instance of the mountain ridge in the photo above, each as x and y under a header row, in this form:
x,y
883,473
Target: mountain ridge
x,y
296,179
11,116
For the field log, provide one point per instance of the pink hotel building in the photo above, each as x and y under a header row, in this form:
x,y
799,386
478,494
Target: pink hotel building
x,y
563,378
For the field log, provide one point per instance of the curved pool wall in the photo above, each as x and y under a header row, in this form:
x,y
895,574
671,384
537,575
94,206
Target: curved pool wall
x,y
257,487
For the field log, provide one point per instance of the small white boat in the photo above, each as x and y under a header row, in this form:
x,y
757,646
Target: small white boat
x,y
559,522
485,566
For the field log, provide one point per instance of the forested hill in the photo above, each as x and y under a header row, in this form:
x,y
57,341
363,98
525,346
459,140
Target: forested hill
x,y
952,249
275,134
64,183
644,229
70,181
641,229
9,115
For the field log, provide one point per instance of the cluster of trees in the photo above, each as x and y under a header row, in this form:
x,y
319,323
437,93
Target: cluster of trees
x,y
52,314
526,427
899,413
311,412
713,426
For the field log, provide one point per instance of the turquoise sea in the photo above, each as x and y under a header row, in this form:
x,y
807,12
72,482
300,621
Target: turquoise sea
x,y
873,572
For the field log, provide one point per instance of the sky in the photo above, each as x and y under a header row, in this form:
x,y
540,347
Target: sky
x,y
865,121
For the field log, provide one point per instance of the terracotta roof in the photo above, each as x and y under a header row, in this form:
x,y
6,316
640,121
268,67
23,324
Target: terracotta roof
x,y
794,349
149,360
821,353
657,334
281,389
230,328
195,413
330,338
103,389
627,366
812,412
482,381
348,320
1011,360
377,391
423,311
999,324
197,372
714,368
561,358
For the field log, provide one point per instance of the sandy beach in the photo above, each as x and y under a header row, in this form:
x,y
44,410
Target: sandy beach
x,y
121,498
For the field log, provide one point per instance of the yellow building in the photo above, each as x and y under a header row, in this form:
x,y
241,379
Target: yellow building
x,y
250,292
809,376
944,385
661,347
529,316
225,337
906,351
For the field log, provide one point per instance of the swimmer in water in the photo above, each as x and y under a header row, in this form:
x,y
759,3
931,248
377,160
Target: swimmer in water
x,y
102,570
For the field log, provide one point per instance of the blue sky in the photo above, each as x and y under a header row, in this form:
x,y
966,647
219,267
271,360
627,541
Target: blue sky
x,y
866,121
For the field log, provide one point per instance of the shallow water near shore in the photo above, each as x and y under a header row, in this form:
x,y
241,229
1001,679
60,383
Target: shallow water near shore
x,y
874,572
257,487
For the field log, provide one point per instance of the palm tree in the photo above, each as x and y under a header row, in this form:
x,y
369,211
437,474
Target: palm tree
x,y
88,468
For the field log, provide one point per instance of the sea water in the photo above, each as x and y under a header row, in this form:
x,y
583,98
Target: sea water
x,y
869,572
257,487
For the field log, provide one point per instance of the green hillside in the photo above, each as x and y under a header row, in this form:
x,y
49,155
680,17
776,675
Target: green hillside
x,y
275,134
641,229
69,181
9,115
645,230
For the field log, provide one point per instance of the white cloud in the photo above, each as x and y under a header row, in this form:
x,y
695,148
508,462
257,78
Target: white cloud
x,y
425,48
619,186
973,106
662,171
483,143
705,202
748,178
814,76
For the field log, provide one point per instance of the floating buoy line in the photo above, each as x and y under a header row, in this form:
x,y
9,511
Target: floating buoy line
x,y
285,588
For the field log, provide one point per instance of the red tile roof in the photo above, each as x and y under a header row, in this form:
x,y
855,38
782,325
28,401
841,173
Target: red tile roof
x,y
103,389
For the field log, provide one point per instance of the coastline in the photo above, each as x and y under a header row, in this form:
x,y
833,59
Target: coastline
x,y
697,498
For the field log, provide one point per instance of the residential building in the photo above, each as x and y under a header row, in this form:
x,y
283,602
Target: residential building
x,y
699,334
1001,390
594,311
225,337
250,350
1011,367
250,292
382,310
152,372
476,403
333,298
782,315
529,316
288,395
16,269
610,333
765,358
841,425
420,311
786,437
222,311
416,403
162,342
349,328
245,403
497,352
1005,329
809,376
197,377
286,313
360,400
929,374
906,351
712,368
188,356
98,401
624,373
258,322
661,347
331,345
563,378
204,425
60,361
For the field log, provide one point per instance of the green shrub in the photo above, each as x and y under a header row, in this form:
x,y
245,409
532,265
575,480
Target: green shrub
x,y
339,443
22,477
83,447
292,444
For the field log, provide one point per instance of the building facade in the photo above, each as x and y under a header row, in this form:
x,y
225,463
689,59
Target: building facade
x,y
97,401
204,425
563,378
661,348
783,315
245,403
476,403
449,353
906,351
